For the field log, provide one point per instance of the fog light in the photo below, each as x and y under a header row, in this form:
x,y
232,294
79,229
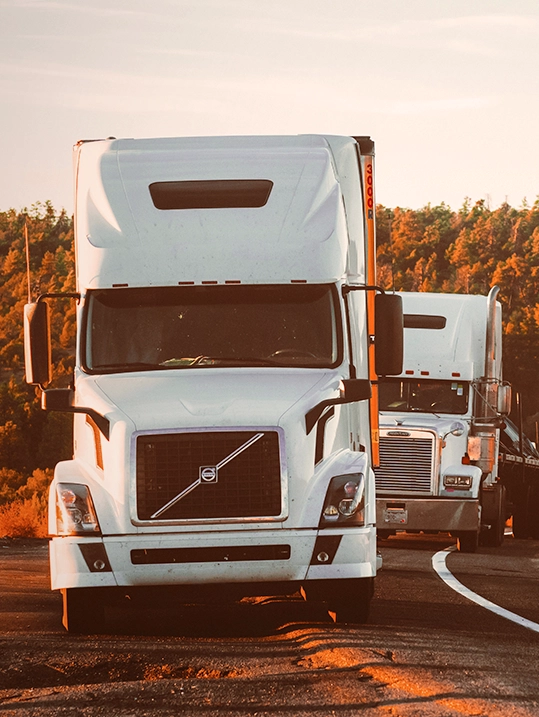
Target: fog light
x,y
322,557
99,564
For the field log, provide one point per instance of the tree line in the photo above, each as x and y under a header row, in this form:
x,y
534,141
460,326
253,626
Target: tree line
x,y
31,441
467,252
430,249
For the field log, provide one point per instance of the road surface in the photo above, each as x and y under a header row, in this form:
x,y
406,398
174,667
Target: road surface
x,y
427,649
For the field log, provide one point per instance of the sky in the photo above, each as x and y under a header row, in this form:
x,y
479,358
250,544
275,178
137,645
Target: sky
x,y
448,89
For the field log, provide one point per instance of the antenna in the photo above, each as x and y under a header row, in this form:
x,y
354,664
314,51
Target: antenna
x,y
27,260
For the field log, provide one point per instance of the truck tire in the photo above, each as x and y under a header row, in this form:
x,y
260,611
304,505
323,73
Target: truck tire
x,y
467,541
521,529
533,513
352,604
348,599
493,536
83,610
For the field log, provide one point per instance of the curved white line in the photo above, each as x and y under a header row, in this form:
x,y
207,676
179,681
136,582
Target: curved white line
x,y
439,565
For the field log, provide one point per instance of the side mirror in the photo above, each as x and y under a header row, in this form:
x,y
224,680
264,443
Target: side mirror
x,y
37,344
504,399
389,334
356,389
455,429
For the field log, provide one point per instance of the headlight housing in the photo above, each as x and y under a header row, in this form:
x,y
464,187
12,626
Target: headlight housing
x,y
75,512
458,482
345,501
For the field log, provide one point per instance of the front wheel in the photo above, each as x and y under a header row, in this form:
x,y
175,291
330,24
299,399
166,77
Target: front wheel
x,y
493,536
468,541
83,610
521,514
349,599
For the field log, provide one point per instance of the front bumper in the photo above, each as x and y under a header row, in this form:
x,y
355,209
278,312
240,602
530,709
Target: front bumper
x,y
437,514
202,559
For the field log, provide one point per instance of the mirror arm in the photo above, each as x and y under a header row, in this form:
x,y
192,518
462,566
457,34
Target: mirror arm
x,y
64,295
100,421
354,390
314,413
347,288
60,400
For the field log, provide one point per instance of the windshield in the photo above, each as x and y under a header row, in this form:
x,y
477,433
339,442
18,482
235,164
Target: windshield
x,y
427,396
211,326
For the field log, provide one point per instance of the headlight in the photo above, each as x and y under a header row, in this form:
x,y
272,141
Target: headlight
x,y
461,482
75,512
345,500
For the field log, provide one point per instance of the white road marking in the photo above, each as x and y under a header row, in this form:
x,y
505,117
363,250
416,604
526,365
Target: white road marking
x,y
439,565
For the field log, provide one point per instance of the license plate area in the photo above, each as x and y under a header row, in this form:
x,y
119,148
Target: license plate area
x,y
395,516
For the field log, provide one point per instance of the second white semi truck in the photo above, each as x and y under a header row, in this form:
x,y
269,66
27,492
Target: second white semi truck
x,y
440,420
222,390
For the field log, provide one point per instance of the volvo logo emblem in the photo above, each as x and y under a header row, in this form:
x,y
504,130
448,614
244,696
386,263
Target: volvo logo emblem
x,y
208,474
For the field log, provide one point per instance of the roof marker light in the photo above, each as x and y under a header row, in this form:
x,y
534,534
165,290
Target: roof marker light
x,y
409,372
208,282
425,373
119,286
186,283
456,374
298,281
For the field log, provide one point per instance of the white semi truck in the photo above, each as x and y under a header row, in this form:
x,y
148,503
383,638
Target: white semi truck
x,y
440,420
222,389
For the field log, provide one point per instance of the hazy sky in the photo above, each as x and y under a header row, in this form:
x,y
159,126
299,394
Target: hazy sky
x,y
448,89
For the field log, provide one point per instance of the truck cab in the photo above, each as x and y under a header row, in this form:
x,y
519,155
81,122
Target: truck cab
x,y
222,387
440,422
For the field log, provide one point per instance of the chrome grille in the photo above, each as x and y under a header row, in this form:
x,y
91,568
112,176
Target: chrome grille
x,y
246,485
406,465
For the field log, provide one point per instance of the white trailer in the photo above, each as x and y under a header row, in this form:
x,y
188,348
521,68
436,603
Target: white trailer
x,y
439,422
222,432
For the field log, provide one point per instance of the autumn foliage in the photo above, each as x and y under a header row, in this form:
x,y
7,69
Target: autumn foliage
x,y
429,249
467,252
32,442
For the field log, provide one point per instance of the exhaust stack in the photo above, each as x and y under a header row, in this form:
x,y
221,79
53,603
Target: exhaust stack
x,y
485,421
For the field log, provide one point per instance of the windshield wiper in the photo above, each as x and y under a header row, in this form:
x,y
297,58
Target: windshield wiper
x,y
245,360
134,366
204,360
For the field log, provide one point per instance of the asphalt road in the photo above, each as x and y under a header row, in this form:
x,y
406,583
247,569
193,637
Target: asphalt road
x,y
426,650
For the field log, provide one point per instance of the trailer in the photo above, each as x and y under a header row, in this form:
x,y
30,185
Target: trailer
x,y
518,468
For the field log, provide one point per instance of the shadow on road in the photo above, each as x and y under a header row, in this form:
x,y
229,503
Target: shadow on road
x,y
251,617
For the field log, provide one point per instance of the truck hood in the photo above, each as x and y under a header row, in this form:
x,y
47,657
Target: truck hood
x,y
440,424
209,397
